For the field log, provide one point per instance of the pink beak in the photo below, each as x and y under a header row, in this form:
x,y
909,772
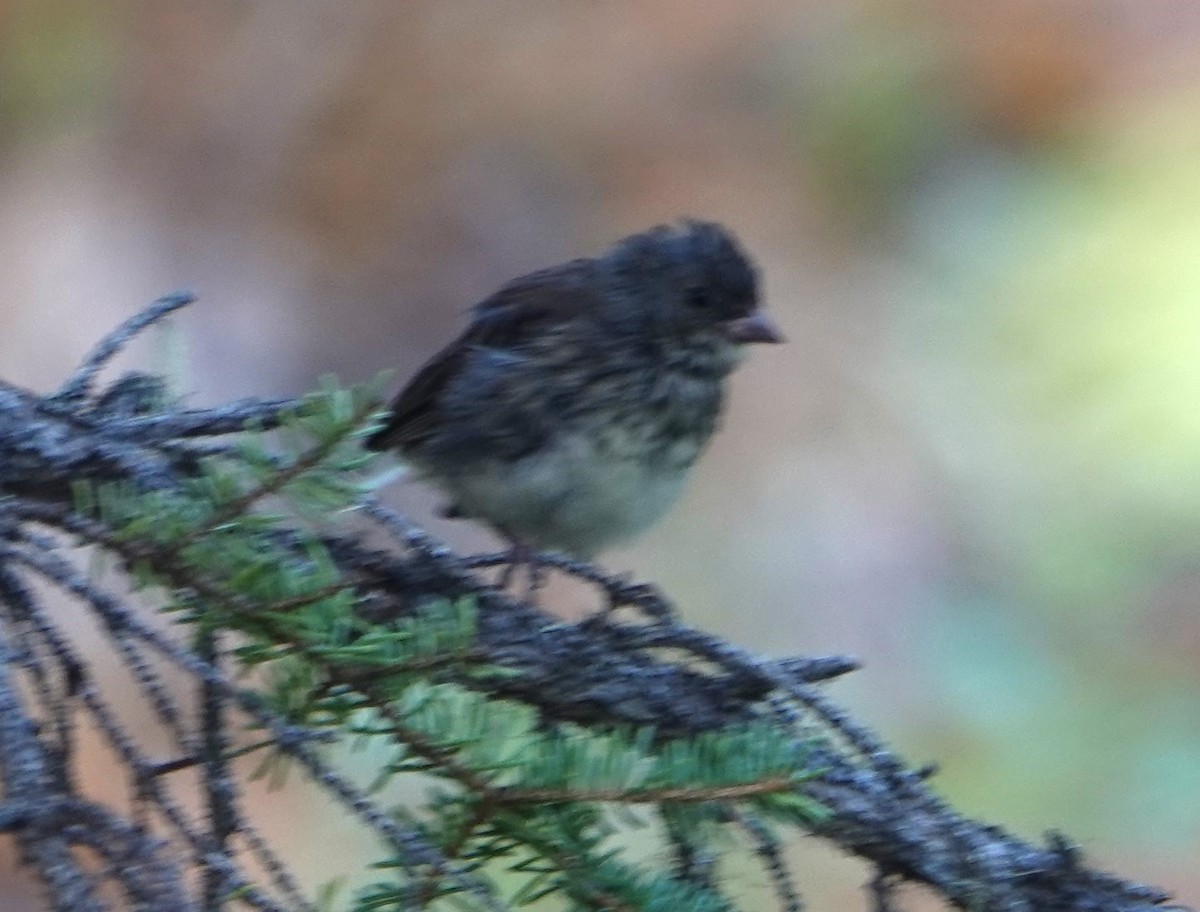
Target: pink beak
x,y
757,327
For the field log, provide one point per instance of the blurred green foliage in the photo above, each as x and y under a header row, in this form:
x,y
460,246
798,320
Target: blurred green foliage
x,y
1060,380
58,64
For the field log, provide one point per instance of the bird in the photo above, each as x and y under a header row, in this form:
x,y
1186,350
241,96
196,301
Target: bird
x,y
568,414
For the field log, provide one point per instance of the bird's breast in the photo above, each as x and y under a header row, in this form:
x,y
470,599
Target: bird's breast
x,y
586,489
611,452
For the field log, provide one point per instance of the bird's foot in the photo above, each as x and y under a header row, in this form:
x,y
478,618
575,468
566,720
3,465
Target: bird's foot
x,y
521,554
646,597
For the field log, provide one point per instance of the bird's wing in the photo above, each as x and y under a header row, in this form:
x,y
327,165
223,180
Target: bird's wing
x,y
522,309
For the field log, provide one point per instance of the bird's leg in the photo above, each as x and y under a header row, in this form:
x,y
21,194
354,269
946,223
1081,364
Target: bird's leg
x,y
522,554
519,554
537,576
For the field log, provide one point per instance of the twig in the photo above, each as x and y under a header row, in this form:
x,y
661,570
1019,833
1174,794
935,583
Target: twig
x,y
767,848
79,383
653,671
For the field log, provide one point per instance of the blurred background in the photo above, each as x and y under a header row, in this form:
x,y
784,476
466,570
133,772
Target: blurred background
x,y
976,464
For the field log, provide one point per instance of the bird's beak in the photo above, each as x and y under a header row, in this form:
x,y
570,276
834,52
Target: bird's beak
x,y
757,327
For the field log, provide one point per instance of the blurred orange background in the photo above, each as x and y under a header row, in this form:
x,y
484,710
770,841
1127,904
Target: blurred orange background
x,y
976,464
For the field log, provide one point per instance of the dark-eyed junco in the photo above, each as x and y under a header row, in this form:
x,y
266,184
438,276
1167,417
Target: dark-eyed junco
x,y
569,412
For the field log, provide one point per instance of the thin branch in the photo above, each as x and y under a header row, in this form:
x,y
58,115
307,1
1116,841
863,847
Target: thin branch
x,y
772,785
767,848
218,790
25,772
78,385
652,671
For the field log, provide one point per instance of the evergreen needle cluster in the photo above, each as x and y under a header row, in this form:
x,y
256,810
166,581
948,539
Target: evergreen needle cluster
x,y
625,763
239,549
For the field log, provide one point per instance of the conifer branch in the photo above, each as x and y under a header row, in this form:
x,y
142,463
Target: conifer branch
x,y
370,628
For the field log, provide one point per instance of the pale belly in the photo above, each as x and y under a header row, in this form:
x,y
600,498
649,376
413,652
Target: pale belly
x,y
578,496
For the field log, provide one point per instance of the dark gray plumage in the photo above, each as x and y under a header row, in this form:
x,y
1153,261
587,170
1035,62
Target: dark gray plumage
x,y
569,412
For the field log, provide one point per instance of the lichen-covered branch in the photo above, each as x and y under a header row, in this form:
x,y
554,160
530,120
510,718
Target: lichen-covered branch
x,y
373,628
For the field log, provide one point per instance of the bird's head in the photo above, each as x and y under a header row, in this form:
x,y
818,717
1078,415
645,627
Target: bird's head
x,y
690,281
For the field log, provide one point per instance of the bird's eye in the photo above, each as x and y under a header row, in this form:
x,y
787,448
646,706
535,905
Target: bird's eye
x,y
697,297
